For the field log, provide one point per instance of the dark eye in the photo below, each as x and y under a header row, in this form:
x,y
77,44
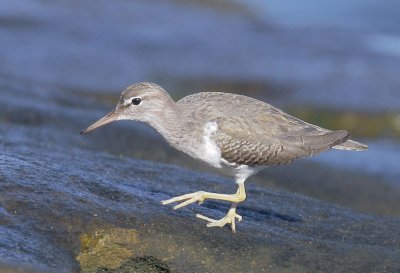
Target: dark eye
x,y
136,101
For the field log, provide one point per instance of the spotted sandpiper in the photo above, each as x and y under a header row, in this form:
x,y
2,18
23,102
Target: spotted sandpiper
x,y
235,133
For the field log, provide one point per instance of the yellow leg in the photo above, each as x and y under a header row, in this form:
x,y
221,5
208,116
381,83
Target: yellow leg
x,y
201,196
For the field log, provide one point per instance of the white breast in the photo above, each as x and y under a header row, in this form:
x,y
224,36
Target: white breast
x,y
211,153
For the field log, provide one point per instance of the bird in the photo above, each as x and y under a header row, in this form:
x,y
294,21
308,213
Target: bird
x,y
237,134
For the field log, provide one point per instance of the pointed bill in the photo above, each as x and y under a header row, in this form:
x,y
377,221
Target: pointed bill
x,y
110,117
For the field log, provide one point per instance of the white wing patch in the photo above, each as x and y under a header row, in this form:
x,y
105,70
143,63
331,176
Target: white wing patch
x,y
211,152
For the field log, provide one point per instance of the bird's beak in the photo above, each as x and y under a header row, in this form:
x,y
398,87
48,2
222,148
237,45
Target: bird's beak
x,y
110,117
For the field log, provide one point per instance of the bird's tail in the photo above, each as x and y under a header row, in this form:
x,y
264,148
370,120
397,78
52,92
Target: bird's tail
x,y
351,145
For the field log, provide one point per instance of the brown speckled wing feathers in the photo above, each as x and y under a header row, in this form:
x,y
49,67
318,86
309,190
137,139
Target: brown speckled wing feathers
x,y
254,133
254,142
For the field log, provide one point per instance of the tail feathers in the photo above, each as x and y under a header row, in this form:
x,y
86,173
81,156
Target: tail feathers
x,y
336,140
329,139
351,145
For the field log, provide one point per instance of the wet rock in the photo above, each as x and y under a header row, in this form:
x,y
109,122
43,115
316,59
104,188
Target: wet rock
x,y
18,268
139,265
82,204
57,200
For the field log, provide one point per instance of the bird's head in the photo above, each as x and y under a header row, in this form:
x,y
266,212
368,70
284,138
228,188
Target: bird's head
x,y
143,101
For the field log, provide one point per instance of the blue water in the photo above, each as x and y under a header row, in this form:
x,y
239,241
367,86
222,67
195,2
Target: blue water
x,y
372,15
382,159
333,56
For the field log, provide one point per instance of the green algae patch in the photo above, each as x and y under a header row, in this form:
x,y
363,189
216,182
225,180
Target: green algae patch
x,y
116,250
106,249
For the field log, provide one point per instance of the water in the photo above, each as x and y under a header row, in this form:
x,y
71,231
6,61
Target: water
x,y
102,46
371,15
382,159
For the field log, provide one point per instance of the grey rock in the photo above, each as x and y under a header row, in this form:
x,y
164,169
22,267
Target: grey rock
x,y
56,189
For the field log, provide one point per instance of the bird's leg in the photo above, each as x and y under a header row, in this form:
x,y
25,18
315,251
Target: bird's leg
x,y
200,196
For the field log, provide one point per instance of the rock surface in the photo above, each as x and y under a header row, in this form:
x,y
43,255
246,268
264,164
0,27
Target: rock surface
x,y
69,204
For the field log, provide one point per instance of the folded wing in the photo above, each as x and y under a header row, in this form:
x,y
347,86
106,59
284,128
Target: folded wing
x,y
269,140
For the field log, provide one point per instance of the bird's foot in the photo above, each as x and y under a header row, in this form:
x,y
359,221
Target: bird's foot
x,y
200,196
229,218
187,199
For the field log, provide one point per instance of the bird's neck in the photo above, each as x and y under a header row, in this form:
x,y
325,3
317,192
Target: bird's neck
x,y
169,123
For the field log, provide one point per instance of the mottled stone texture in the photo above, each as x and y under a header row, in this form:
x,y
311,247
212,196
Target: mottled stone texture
x,y
65,199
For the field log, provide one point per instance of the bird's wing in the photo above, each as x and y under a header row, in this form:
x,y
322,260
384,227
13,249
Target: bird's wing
x,y
253,132
271,139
